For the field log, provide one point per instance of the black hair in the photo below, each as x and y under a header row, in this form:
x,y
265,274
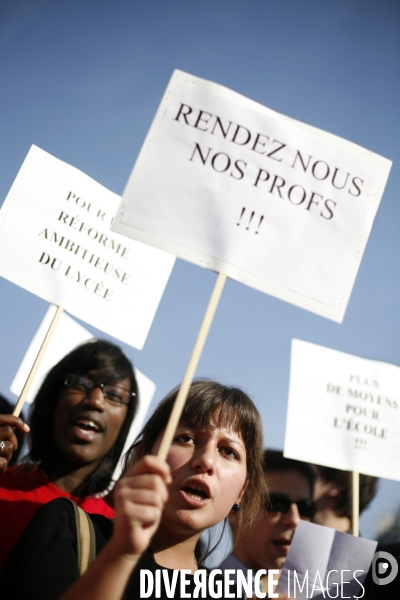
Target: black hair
x,y
111,363
275,461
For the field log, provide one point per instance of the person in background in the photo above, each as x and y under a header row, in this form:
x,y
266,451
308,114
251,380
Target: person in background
x,y
162,508
266,544
332,493
79,422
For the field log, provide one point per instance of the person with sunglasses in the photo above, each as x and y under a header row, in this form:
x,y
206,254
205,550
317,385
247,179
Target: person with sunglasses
x,y
266,544
79,423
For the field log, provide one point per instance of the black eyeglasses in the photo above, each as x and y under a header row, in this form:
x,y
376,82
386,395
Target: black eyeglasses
x,y
281,503
116,394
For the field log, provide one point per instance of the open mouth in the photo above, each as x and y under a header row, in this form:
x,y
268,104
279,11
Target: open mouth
x,y
195,493
283,544
88,426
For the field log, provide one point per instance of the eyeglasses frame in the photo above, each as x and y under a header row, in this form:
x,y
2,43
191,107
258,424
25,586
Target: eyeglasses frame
x,y
312,504
101,386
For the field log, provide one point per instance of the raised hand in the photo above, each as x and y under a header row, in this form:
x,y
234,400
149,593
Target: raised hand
x,y
139,499
8,439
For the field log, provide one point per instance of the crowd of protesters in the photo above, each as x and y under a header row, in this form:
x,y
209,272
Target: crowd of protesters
x,y
152,520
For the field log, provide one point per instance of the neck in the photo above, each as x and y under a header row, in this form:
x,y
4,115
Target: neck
x,y
175,552
66,475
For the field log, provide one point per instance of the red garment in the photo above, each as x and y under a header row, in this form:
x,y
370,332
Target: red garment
x,y
22,492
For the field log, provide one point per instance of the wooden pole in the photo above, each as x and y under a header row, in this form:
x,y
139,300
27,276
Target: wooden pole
x,y
38,360
355,486
191,368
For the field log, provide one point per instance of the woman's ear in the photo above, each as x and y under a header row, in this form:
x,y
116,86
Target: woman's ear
x,y
240,496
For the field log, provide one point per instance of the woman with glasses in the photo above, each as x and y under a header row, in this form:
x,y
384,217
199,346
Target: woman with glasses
x,y
79,422
214,466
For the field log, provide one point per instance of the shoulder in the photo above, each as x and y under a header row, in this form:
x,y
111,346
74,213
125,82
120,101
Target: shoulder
x,y
54,515
47,549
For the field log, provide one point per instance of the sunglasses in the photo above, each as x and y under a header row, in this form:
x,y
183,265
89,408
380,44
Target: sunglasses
x,y
116,394
281,503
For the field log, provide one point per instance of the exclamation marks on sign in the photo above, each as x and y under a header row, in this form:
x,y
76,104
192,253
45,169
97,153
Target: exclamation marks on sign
x,y
251,216
360,444
243,209
250,220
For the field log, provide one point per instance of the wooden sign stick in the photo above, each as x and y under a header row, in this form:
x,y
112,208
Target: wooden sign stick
x,y
355,513
38,360
191,368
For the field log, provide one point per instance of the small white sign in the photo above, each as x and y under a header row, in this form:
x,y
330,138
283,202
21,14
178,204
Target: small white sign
x,y
68,335
233,186
325,563
55,241
343,411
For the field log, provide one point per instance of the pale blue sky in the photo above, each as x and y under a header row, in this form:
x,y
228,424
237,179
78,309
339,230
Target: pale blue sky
x,y
82,79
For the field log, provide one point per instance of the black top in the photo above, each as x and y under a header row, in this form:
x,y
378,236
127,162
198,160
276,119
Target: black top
x,y
44,562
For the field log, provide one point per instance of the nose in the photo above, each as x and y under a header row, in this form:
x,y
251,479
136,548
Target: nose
x,y
95,399
291,517
204,459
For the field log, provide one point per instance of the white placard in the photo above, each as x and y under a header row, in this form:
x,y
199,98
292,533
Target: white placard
x,y
233,186
67,336
325,563
55,241
343,411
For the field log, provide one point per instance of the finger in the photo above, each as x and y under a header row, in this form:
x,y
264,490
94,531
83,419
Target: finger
x,y
142,497
128,486
7,449
13,421
3,465
147,516
7,434
151,464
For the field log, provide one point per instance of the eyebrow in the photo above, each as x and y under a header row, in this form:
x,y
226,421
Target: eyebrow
x,y
197,428
237,442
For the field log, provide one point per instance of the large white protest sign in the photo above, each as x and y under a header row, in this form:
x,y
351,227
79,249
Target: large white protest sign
x,y
55,241
343,411
233,186
325,563
67,336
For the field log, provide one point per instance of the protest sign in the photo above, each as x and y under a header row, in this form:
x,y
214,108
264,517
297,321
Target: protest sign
x,y
55,241
325,563
233,186
343,411
67,336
